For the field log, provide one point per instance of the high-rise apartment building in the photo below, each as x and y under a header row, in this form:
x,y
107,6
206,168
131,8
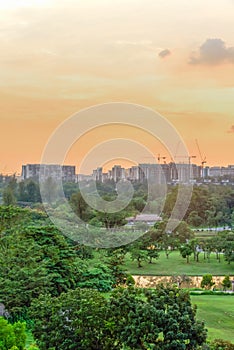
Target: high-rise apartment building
x,y
55,171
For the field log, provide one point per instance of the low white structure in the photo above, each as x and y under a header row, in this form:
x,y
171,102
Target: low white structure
x,y
148,219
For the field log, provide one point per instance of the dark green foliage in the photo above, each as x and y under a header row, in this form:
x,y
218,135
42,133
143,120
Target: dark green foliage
x,y
226,283
209,206
75,320
79,206
29,191
11,217
35,260
115,263
112,220
98,277
229,247
131,319
186,251
8,197
207,281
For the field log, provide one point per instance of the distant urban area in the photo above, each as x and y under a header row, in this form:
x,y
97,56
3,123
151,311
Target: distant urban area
x,y
159,173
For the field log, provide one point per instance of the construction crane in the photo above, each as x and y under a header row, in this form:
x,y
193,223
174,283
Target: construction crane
x,y
159,157
203,159
189,164
189,158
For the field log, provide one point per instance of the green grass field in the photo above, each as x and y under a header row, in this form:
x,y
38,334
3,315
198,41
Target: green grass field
x,y
218,314
176,265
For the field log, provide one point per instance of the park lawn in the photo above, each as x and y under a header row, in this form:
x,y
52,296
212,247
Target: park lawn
x,y
218,313
176,265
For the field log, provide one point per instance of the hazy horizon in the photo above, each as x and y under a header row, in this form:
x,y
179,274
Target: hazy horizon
x,y
175,57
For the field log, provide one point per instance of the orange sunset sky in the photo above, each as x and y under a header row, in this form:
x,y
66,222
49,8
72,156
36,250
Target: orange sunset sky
x,y
174,56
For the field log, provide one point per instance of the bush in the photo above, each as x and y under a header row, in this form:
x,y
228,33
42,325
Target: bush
x,y
220,344
12,336
226,283
207,281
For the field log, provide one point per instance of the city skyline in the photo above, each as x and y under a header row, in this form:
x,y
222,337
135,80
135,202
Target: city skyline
x,y
175,57
166,172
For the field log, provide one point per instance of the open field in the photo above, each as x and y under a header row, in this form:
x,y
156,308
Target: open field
x,y
218,313
176,265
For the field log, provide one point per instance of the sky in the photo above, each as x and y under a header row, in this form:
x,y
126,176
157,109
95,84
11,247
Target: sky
x,y
58,57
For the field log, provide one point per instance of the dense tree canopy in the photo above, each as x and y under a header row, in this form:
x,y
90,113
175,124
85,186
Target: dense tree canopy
x,y
131,318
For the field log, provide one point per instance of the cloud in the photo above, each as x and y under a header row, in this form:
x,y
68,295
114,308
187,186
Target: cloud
x,y
231,130
213,52
164,53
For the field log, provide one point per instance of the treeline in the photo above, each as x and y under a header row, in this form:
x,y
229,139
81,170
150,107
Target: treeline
x,y
210,205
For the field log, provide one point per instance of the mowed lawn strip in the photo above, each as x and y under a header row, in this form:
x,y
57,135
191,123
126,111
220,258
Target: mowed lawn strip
x,y
218,313
176,265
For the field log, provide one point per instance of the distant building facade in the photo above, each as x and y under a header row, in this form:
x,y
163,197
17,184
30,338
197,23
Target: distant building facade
x,y
55,171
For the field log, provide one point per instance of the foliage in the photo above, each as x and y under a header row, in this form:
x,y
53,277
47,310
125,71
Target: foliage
x,y
11,217
115,264
80,206
35,260
98,277
12,336
226,283
132,318
186,250
143,317
75,320
207,281
220,344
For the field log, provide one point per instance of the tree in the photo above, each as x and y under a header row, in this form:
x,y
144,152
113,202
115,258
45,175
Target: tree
x,y
97,277
79,206
132,318
76,320
152,253
115,263
8,196
35,260
226,283
140,316
167,243
194,243
112,220
207,281
139,255
229,247
186,250
183,232
217,244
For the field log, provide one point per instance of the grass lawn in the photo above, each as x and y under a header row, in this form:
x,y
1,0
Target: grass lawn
x,y
218,313
176,265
